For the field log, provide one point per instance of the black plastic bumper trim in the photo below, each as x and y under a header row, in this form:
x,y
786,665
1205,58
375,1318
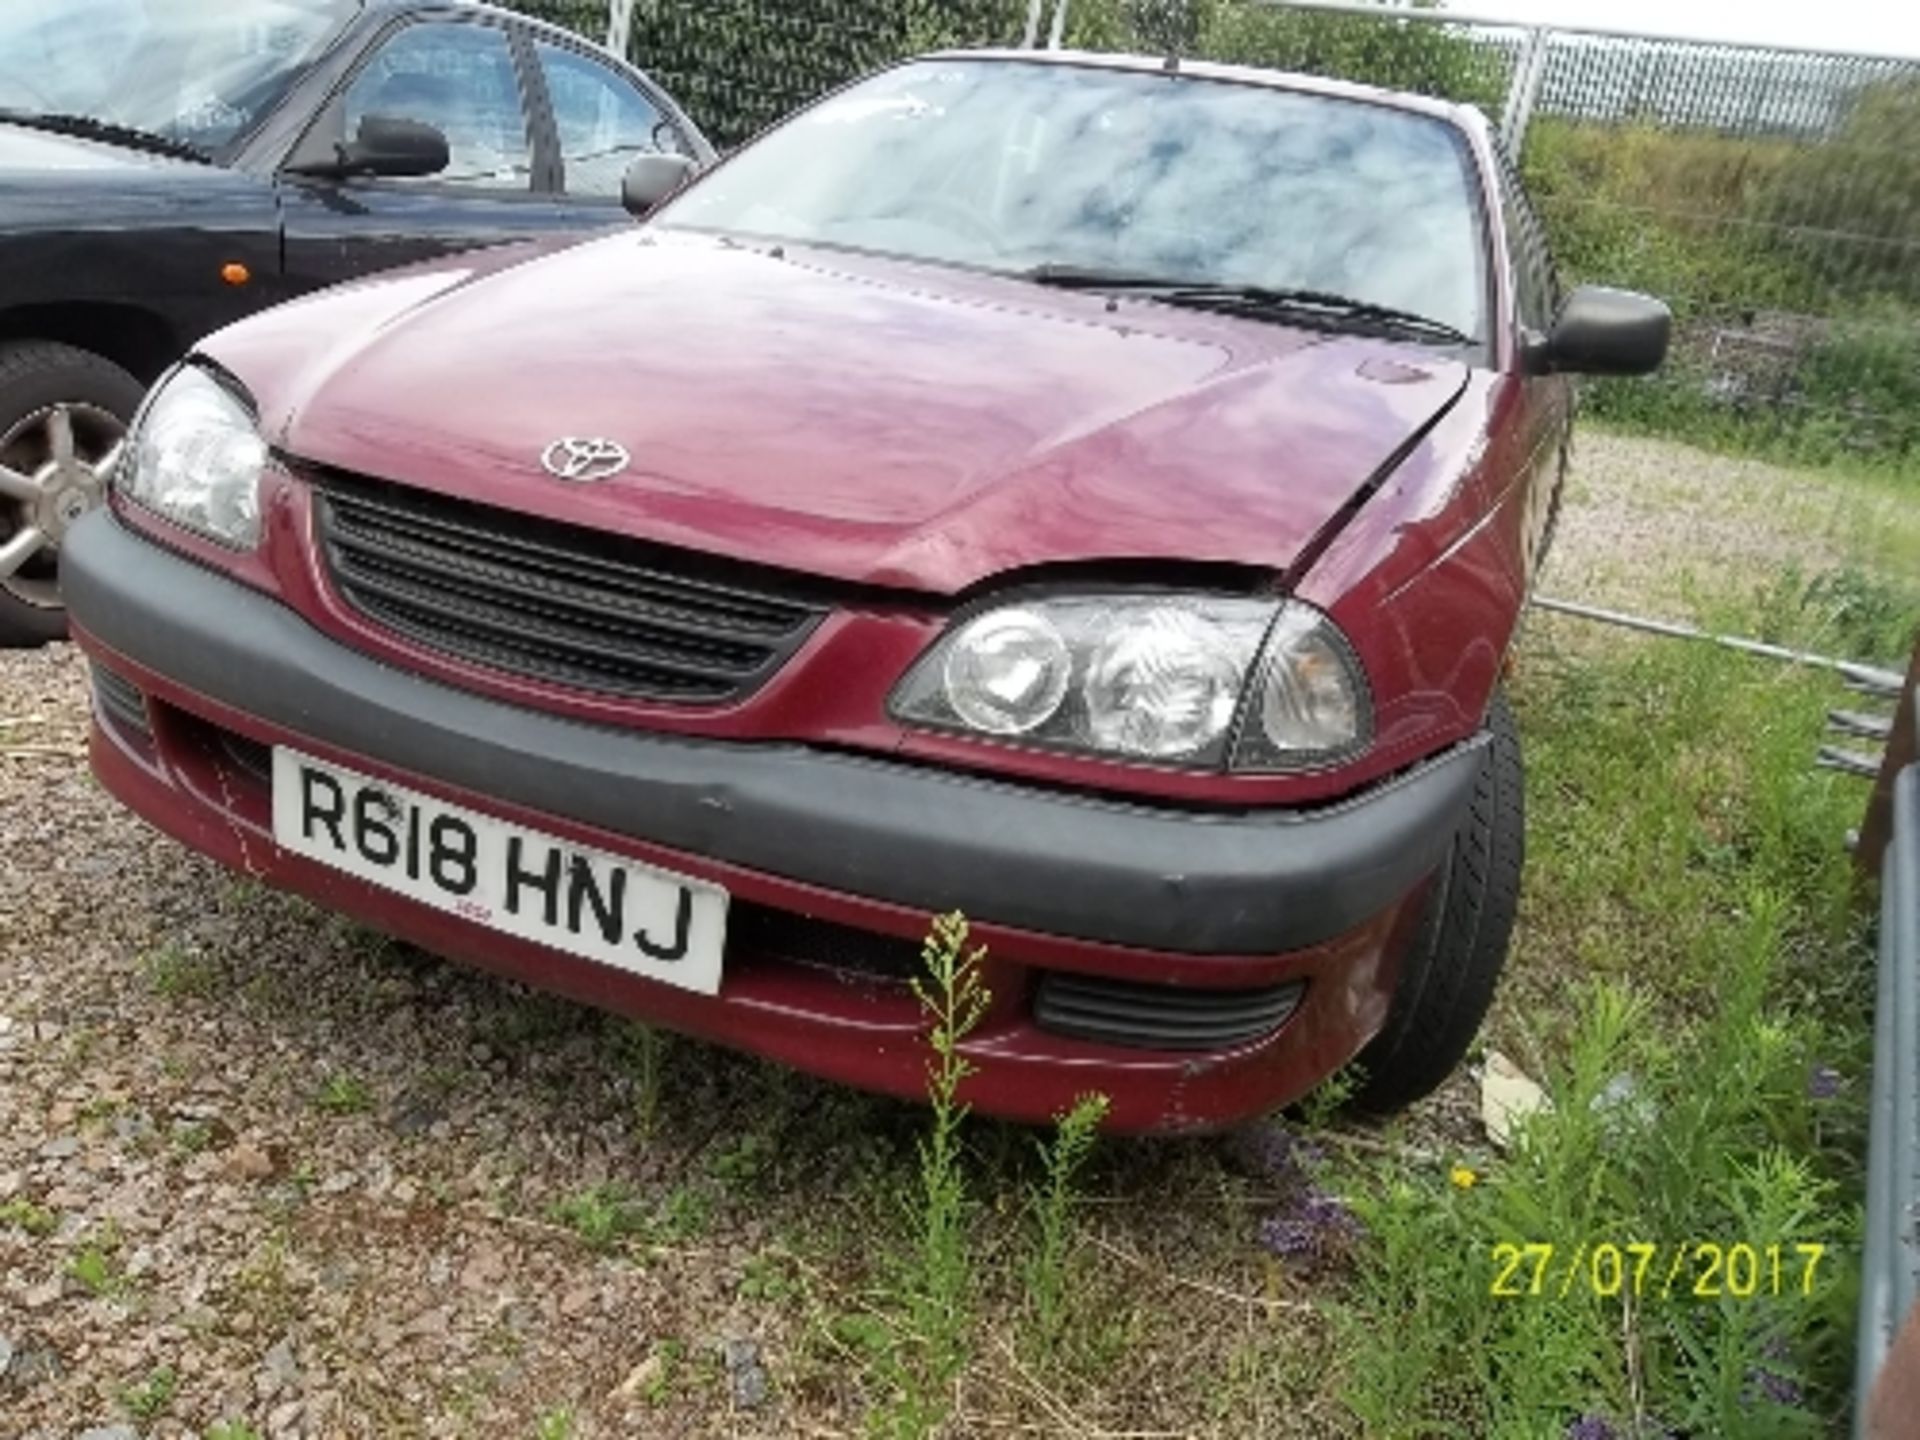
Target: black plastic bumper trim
x,y
1254,882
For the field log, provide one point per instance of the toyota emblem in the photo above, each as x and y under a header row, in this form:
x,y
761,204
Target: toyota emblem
x,y
584,461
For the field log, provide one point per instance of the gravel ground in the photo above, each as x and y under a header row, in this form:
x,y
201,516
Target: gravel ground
x,y
302,1158
257,1165
1662,529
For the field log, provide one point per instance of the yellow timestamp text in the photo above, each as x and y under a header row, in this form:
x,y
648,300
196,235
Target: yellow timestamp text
x,y
1693,1269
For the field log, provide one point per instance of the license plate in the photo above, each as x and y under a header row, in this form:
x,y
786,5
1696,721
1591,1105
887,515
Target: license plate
x,y
518,881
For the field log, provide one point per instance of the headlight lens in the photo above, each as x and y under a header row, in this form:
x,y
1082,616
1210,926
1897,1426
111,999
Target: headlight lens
x,y
1166,686
197,459
1151,677
1007,672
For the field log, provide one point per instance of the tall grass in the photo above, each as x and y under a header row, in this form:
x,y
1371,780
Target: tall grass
x,y
1688,884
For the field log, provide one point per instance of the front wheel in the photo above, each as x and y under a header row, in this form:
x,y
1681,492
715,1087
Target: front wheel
x,y
1447,978
63,425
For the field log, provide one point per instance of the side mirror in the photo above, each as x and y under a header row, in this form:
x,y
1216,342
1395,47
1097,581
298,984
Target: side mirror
x,y
396,148
650,179
399,149
1601,331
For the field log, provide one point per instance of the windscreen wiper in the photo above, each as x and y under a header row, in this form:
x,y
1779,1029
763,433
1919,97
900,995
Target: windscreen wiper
x,y
92,127
1323,306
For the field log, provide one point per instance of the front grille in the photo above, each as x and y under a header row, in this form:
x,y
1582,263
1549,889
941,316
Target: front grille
x,y
822,943
120,701
559,603
1160,1017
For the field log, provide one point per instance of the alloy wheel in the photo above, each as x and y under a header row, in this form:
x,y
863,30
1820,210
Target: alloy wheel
x,y
55,466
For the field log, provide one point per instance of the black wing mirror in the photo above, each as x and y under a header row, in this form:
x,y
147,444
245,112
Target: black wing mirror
x,y
386,146
1601,331
395,148
650,179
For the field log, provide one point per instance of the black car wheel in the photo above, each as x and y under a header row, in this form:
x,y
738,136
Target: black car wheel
x,y
64,414
1447,978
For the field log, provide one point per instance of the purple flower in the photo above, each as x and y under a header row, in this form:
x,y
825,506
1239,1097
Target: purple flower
x,y
1287,1237
1315,1223
1823,1082
1590,1427
1280,1154
1774,1388
1329,1214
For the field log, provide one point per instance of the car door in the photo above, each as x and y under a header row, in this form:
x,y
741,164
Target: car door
x,y
464,76
602,118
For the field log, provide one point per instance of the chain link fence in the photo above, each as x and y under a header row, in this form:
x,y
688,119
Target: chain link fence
x,y
1771,196
737,66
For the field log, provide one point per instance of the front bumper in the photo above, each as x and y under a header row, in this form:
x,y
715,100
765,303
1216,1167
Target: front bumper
x,y
1052,880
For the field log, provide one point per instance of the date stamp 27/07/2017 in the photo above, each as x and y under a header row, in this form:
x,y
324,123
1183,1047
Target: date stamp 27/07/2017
x,y
1648,1269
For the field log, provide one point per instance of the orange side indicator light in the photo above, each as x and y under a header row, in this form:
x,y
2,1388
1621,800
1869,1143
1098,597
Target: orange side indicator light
x,y
234,273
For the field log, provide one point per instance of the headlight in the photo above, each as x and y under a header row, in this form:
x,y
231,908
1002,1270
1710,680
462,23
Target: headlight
x,y
1170,678
197,459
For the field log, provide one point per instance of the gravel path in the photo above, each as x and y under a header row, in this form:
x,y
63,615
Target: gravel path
x,y
1662,529
307,1174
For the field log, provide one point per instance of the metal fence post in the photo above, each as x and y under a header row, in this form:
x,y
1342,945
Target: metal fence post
x,y
1889,1265
1030,37
1528,71
619,26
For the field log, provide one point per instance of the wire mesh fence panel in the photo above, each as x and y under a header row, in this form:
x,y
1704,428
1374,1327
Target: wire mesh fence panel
x,y
739,65
1773,198
1455,62
584,17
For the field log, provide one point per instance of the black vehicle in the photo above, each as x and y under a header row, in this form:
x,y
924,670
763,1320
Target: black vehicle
x,y
169,166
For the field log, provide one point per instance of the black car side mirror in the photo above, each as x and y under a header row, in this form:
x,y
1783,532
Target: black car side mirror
x,y
1602,331
650,179
384,146
395,148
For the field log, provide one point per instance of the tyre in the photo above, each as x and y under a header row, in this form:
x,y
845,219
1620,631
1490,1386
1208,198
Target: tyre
x,y
64,414
1447,978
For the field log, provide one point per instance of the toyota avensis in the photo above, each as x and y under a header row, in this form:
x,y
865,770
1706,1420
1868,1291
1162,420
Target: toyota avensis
x,y
1094,494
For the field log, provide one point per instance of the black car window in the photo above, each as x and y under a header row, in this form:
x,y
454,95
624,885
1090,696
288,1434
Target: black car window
x,y
602,121
459,78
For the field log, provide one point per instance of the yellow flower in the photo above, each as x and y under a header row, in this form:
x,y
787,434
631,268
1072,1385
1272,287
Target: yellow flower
x,y
1463,1178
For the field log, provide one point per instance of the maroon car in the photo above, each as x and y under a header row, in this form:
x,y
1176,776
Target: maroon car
x,y
1094,494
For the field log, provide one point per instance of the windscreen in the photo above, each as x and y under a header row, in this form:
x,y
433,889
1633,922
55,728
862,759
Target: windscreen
x,y
1011,165
200,72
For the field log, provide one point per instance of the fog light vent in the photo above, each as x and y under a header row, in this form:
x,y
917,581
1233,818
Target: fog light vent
x,y
1161,1017
821,943
120,702
249,755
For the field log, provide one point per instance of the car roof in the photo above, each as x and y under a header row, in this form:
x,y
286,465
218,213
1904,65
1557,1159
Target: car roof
x,y
1467,116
